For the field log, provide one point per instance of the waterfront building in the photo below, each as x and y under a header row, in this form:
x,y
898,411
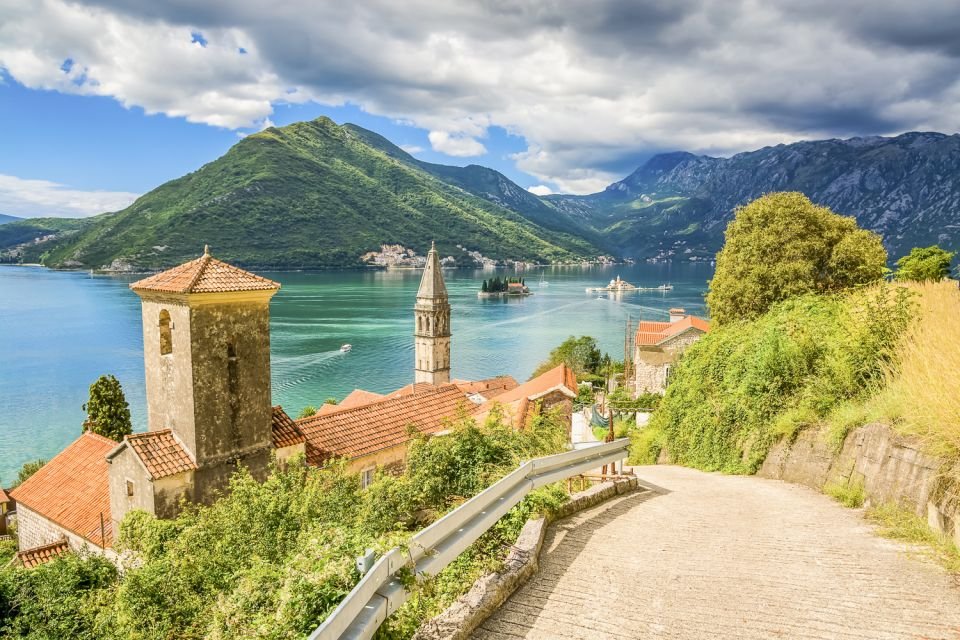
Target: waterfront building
x,y
657,345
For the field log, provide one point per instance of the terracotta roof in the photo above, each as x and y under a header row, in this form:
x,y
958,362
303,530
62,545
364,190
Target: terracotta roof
x,y
516,403
358,398
284,430
73,489
357,431
3,496
161,453
326,408
30,558
653,333
489,388
413,388
204,275
560,377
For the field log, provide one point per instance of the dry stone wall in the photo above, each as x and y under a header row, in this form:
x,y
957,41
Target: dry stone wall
x,y
890,467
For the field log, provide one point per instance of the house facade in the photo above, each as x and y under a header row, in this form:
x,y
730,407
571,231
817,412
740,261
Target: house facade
x,y
658,345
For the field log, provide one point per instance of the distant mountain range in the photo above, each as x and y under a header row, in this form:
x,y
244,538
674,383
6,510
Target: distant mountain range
x,y
5,218
316,194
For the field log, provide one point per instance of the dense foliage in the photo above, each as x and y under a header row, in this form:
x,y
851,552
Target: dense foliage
x,y
499,285
924,264
272,559
312,194
580,354
108,412
745,385
783,245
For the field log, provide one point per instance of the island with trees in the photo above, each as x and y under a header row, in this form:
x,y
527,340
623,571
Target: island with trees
x,y
503,287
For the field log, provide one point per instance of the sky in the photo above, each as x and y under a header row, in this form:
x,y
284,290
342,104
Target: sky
x,y
103,100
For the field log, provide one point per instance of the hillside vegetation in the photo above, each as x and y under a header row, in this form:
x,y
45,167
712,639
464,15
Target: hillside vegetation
x,y
310,194
273,559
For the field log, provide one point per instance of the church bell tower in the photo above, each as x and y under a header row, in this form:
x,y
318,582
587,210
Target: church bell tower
x,y
432,325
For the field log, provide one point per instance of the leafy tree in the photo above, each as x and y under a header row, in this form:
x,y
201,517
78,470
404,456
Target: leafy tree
x,y
27,470
782,245
307,411
580,354
927,264
108,413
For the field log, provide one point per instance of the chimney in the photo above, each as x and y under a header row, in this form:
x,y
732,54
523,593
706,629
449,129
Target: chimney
x,y
676,315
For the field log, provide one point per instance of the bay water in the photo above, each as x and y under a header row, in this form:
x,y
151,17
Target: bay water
x,y
59,331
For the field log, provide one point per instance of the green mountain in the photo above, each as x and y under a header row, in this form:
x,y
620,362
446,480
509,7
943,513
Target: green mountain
x,y
677,205
27,239
5,218
311,194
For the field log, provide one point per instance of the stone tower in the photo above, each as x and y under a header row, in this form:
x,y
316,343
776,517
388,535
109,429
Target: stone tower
x,y
432,328
206,344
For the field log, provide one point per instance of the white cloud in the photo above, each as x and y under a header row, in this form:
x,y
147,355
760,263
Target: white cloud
x,y
412,149
36,198
540,190
593,87
457,145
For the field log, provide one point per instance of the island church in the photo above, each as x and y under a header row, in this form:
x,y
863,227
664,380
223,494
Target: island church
x,y
206,336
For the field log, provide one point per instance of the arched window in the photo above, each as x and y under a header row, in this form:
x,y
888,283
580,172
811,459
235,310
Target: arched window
x,y
166,333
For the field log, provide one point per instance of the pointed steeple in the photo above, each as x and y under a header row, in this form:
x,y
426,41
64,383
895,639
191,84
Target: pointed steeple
x,y
431,284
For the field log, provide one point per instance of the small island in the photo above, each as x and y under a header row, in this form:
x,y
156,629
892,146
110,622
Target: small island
x,y
501,287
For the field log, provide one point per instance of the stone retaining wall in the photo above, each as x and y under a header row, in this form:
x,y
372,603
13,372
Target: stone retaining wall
x,y
459,620
890,467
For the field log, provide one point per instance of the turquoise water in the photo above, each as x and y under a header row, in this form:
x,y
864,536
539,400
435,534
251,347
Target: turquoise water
x,y
59,331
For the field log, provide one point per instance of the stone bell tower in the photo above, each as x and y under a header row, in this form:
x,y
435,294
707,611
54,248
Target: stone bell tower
x,y
206,343
432,328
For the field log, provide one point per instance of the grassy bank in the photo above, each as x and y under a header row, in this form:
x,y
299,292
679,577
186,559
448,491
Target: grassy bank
x,y
746,385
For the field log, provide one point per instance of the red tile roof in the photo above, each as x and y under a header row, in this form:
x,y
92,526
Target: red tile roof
x,y
204,275
516,402
489,388
561,377
30,558
357,431
73,489
413,388
3,496
653,333
161,452
358,398
284,430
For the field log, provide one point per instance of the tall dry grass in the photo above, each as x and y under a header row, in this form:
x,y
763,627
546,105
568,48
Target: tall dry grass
x,y
921,391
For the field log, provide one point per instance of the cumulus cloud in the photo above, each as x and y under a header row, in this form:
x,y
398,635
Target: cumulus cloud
x,y
460,146
593,87
412,149
35,198
540,190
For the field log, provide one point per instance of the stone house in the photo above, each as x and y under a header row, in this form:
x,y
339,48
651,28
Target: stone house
x,y
557,388
207,363
657,345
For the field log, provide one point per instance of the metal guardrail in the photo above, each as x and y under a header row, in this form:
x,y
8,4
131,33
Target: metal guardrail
x,y
379,593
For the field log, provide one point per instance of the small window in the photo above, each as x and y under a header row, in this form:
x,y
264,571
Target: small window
x,y
166,333
366,477
129,488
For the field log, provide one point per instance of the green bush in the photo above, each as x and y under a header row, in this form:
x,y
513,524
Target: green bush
x,y
782,245
273,559
747,384
927,264
849,495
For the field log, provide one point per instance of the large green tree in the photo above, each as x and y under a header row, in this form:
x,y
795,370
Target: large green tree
x,y
580,354
782,245
925,264
108,413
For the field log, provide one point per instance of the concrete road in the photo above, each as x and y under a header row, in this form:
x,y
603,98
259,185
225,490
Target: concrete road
x,y
714,556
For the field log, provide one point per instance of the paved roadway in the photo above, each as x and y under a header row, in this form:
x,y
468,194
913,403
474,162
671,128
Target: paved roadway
x,y
714,556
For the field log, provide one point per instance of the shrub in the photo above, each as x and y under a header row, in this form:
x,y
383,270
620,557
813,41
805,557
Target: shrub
x,y
849,495
745,385
782,245
928,264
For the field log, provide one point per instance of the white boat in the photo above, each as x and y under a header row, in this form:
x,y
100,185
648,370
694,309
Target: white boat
x,y
346,348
